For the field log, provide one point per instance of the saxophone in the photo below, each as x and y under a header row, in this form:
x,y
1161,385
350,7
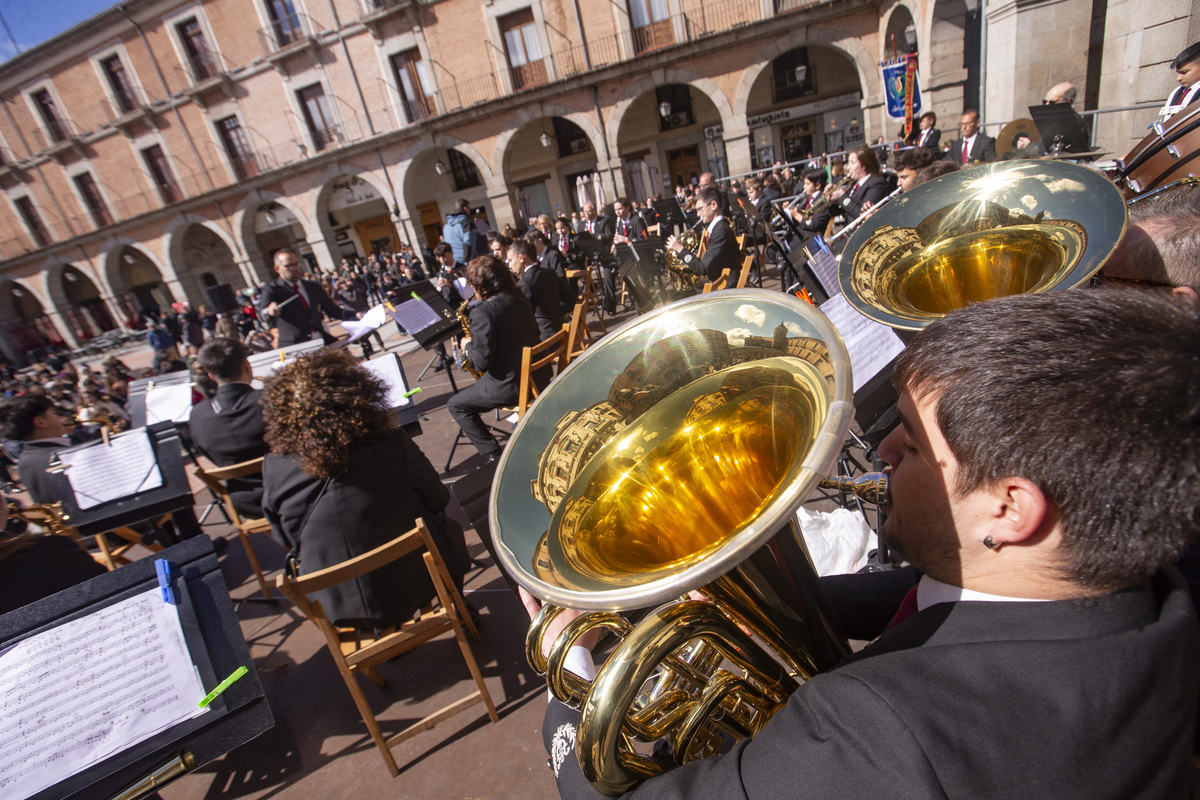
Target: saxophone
x,y
464,319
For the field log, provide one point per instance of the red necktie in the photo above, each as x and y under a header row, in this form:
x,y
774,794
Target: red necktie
x,y
964,155
908,607
303,302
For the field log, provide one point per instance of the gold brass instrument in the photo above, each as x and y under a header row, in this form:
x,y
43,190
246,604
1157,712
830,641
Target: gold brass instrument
x,y
683,279
48,516
991,231
681,474
464,319
823,202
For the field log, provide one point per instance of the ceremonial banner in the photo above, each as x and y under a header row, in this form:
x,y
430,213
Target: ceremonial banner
x,y
898,75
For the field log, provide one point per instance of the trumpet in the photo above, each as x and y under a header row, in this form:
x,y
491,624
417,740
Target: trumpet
x,y
464,319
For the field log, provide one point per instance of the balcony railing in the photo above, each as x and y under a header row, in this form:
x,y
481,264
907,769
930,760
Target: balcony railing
x,y
282,34
198,71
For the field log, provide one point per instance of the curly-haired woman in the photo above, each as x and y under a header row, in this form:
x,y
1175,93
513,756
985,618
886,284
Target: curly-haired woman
x,y
340,481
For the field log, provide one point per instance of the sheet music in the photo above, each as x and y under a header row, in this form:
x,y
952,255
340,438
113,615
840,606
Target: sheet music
x,y
825,266
871,345
415,315
387,369
125,466
84,690
172,403
358,328
464,289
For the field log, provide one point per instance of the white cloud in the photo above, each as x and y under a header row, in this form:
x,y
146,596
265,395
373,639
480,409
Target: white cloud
x,y
751,315
737,336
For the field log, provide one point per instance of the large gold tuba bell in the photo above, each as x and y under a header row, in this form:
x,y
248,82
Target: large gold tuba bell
x,y
988,231
671,457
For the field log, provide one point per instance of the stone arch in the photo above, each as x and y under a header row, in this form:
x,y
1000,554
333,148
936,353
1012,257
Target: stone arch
x,y
417,157
82,305
177,227
320,197
886,22
244,217
443,141
27,321
868,73
524,116
656,78
174,238
112,265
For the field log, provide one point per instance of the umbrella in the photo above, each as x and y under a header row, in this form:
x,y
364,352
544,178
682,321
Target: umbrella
x,y
581,191
599,189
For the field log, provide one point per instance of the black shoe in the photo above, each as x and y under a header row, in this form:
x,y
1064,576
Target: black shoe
x,y
220,544
440,366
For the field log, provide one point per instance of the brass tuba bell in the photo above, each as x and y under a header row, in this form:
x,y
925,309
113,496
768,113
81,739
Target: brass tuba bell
x,y
671,457
988,231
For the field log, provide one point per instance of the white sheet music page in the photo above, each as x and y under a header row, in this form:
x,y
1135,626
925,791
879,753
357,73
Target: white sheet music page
x,y
415,314
871,345
125,466
84,690
387,369
358,328
169,403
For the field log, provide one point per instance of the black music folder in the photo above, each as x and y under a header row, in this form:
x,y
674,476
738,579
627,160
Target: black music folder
x,y
213,645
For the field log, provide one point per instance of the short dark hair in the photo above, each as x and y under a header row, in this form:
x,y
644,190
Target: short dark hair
x,y
524,247
533,235
1167,246
928,115
622,200
1055,389
867,158
463,204
937,169
222,358
709,194
497,236
1188,55
488,276
16,415
441,249
817,176
915,158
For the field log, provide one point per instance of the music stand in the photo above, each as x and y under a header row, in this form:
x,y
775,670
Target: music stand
x,y
215,645
1061,128
597,252
138,389
670,213
403,410
434,336
639,271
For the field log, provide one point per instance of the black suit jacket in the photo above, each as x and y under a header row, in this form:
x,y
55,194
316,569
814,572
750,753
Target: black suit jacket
x,y
932,141
372,501
228,429
721,253
872,191
51,564
603,227
556,262
635,225
544,290
295,323
984,149
501,327
1074,699
32,463
819,221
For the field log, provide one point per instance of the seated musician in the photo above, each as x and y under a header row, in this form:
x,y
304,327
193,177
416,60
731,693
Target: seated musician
x,y
910,162
545,290
42,427
1048,651
869,186
717,243
341,480
1186,67
502,325
228,428
812,213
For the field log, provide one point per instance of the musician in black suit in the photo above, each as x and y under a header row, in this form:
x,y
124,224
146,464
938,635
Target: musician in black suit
x,y
501,326
1187,73
564,237
627,225
599,226
926,134
868,187
1047,620
341,480
299,319
540,285
972,147
228,429
811,214
717,240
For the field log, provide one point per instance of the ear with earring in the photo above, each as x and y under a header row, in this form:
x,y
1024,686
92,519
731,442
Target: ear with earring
x,y
992,544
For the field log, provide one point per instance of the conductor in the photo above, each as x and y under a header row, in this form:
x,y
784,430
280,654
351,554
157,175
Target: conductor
x,y
294,305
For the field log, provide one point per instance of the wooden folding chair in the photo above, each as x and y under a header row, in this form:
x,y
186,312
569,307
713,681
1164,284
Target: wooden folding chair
x,y
589,293
550,351
579,337
747,263
216,478
720,283
357,652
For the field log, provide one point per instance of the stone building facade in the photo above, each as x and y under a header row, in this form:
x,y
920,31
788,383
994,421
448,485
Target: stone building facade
x,y
163,147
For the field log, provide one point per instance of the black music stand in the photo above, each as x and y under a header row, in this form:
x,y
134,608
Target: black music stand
x,y
670,215
138,389
405,415
214,641
598,253
434,337
640,271
1061,128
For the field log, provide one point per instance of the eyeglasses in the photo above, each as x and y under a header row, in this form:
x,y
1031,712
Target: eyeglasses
x,y
288,264
1099,280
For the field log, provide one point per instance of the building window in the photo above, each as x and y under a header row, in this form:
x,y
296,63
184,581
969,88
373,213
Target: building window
x,y
200,60
237,147
462,171
90,192
49,113
414,84
651,24
785,70
284,22
318,116
524,53
33,221
160,171
118,81
676,100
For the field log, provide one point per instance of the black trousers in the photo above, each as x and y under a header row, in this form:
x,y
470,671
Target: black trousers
x,y
466,407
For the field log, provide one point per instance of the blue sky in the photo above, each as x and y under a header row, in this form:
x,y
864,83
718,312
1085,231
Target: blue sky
x,y
34,21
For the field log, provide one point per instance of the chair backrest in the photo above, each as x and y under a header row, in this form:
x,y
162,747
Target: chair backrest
x,y
747,263
720,283
579,337
653,230
215,478
544,353
829,228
